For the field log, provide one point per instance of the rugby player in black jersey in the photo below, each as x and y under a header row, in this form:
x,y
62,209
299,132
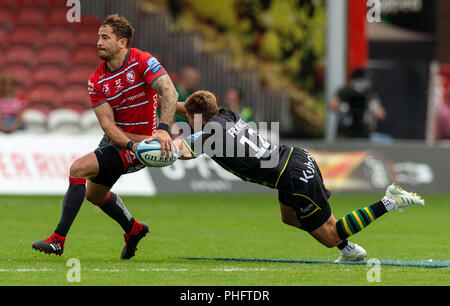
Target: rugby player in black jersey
x,y
302,195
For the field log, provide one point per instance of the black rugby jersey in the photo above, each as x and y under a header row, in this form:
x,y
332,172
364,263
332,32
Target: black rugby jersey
x,y
238,148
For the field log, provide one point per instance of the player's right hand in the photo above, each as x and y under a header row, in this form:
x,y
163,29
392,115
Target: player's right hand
x,y
164,139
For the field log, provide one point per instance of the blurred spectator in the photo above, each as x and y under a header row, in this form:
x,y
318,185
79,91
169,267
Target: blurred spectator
x,y
358,107
186,85
12,104
443,119
233,100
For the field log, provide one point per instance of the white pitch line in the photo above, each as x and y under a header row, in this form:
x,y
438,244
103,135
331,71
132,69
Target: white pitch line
x,y
26,270
114,270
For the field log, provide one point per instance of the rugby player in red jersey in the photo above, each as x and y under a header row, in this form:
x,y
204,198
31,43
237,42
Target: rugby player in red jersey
x,y
124,91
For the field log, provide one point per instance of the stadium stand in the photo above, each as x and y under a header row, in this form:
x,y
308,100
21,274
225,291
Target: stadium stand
x,y
35,121
79,75
32,17
26,36
74,97
49,75
69,48
22,73
43,98
58,37
51,59
6,19
64,121
20,55
89,123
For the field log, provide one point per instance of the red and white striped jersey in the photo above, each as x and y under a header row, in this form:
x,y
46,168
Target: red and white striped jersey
x,y
128,90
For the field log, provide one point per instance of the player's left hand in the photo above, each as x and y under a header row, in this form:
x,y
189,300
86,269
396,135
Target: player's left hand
x,y
164,139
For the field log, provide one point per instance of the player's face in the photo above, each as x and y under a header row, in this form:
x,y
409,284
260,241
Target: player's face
x,y
107,44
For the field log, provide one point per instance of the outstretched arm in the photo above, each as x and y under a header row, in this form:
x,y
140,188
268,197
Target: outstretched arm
x,y
185,152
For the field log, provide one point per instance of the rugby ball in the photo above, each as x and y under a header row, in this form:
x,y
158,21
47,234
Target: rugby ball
x,y
149,154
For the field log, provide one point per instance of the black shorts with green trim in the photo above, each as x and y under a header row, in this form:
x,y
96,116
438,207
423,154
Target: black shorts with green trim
x,y
301,187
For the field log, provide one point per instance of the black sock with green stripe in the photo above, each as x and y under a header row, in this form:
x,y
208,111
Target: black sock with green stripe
x,y
358,219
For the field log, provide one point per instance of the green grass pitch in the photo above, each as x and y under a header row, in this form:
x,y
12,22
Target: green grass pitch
x,y
218,226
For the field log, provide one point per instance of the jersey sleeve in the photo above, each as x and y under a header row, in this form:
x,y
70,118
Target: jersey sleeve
x,y
150,68
211,140
195,143
95,93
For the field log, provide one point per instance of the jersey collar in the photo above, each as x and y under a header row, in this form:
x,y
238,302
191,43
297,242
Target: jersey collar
x,y
123,64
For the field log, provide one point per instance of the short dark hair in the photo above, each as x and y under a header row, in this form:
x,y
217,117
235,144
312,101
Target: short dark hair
x,y
120,27
202,102
359,73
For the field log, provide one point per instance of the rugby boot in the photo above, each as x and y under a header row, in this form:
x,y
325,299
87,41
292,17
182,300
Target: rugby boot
x,y
52,245
139,231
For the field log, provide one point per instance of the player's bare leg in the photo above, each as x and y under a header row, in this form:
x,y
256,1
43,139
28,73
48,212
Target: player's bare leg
x,y
326,234
288,216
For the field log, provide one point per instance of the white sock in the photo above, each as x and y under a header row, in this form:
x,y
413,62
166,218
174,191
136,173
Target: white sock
x,y
389,204
348,249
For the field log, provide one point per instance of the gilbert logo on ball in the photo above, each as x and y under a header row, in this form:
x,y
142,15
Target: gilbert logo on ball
x,y
149,154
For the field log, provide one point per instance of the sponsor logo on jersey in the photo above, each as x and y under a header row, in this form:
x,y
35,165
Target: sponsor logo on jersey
x,y
119,85
154,65
106,88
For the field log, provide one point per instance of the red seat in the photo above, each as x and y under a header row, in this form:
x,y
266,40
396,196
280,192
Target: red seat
x,y
7,19
40,4
54,4
4,38
79,75
86,56
21,55
9,4
90,22
31,17
44,95
59,37
29,36
75,97
22,74
43,108
87,37
57,17
50,75
54,55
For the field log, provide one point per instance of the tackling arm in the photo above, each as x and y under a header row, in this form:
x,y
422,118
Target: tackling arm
x,y
185,153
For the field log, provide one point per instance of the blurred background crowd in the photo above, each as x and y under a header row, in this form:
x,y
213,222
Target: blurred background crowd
x,y
265,59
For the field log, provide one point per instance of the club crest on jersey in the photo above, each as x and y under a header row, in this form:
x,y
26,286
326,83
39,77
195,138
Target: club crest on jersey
x,y
131,76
